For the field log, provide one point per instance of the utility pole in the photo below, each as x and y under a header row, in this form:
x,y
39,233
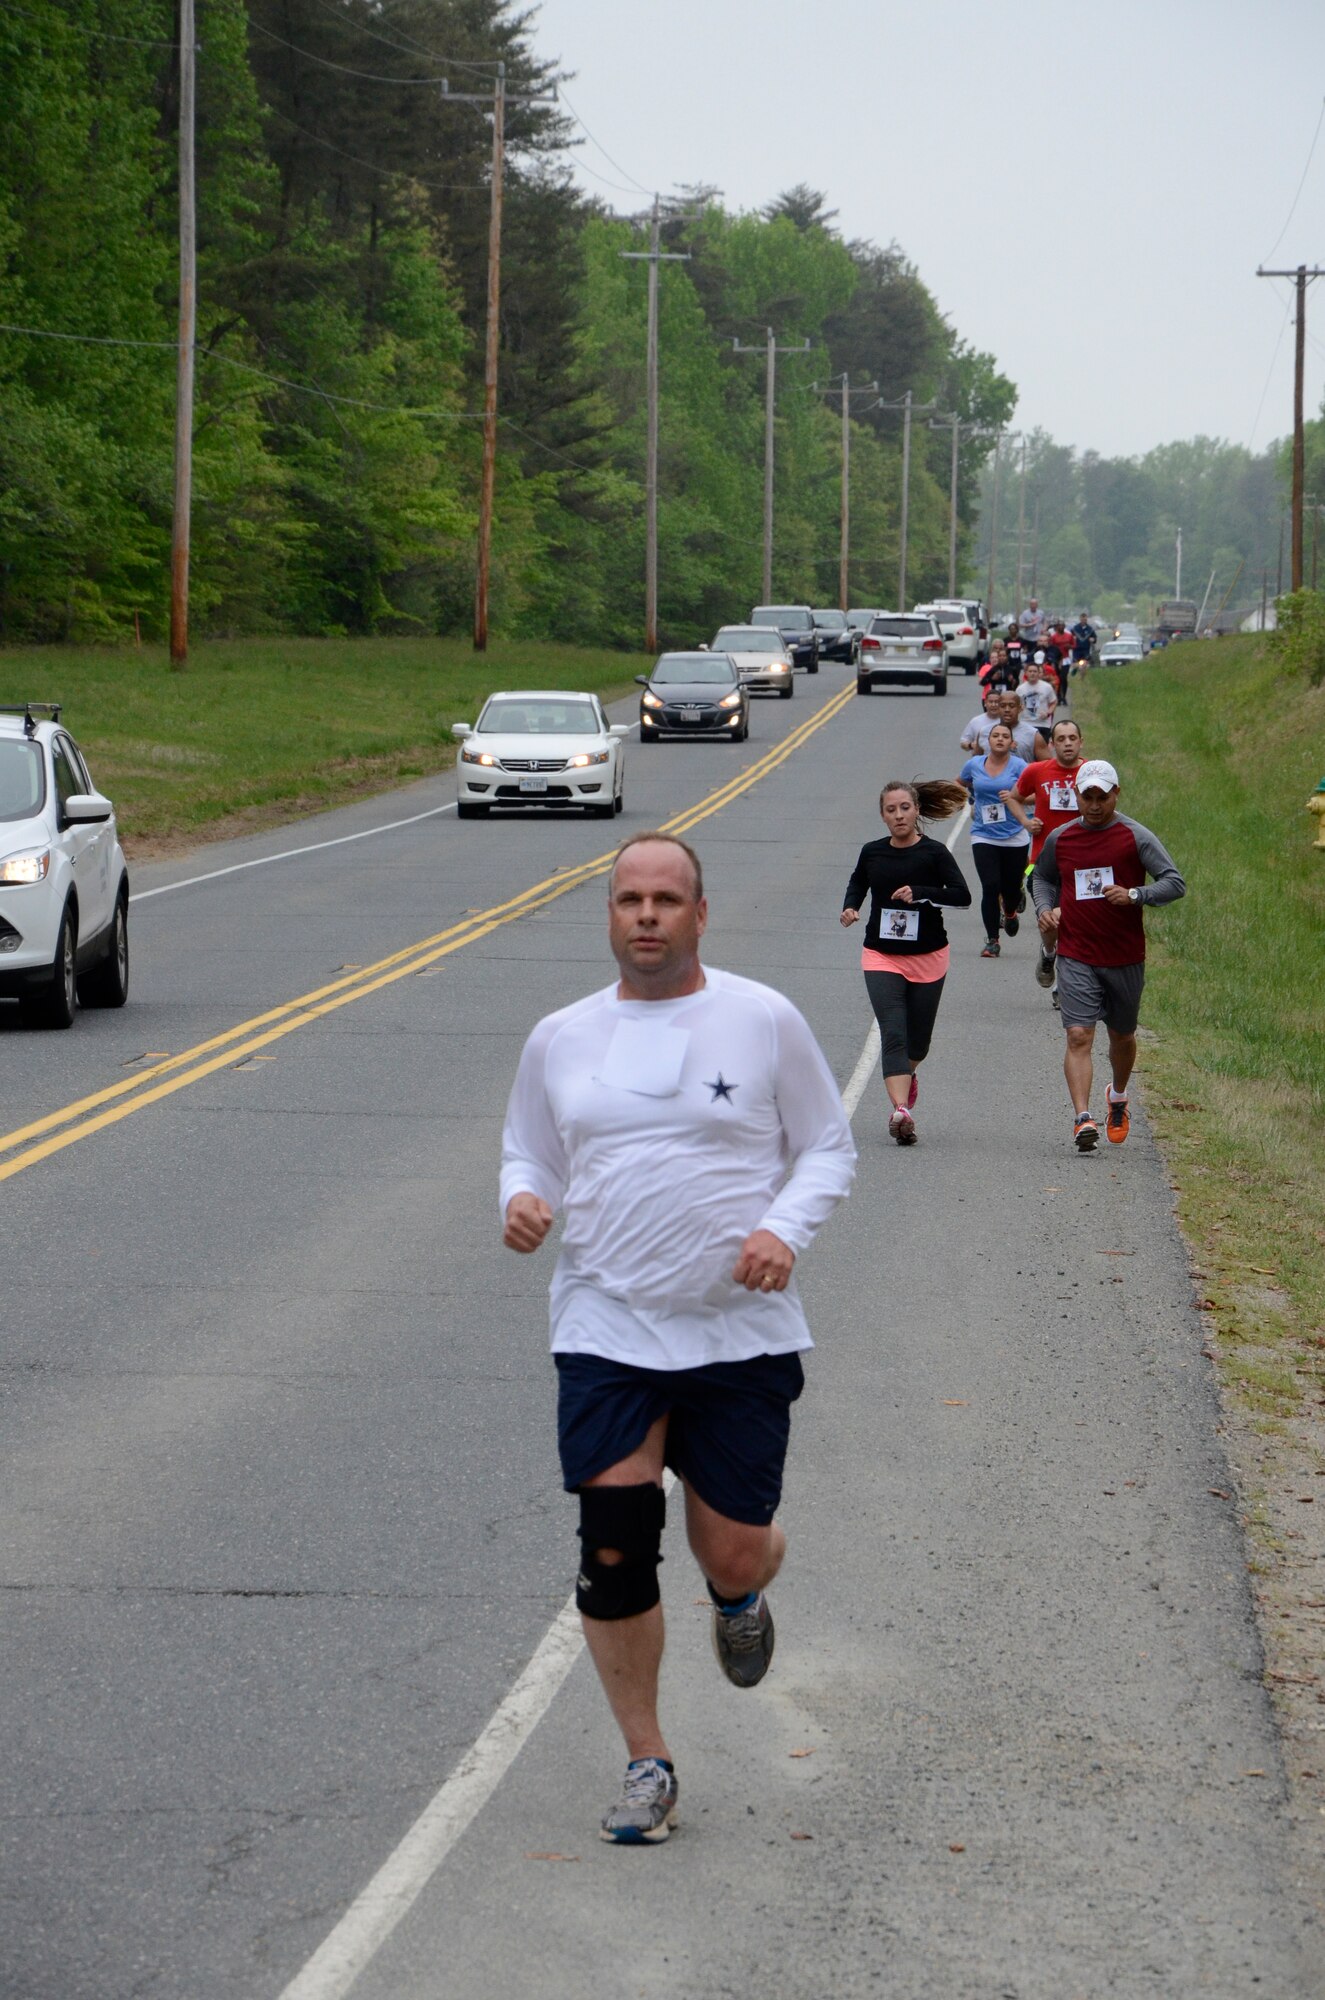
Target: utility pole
x,y
1301,276
770,350
188,322
1177,574
993,532
846,392
909,409
1279,573
1035,551
653,257
952,422
1021,535
497,102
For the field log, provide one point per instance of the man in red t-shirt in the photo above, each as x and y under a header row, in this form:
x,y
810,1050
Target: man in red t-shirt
x,y
1090,886
1050,782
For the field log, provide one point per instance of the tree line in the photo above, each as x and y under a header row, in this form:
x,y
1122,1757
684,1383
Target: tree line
x,y
342,253
1099,532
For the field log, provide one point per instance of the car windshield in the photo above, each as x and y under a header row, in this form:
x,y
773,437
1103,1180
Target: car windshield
x,y
22,780
538,718
748,642
693,669
901,628
831,621
789,616
859,621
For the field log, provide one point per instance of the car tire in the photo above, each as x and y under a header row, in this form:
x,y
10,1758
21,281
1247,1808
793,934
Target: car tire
x,y
107,984
647,739
619,803
941,687
864,687
813,667
972,667
603,812
55,1004
785,693
467,809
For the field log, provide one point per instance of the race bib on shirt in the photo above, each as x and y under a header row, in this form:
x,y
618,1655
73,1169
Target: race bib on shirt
x,y
993,814
1092,882
645,1059
900,924
1063,798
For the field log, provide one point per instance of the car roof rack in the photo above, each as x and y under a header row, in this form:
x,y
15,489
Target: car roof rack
x,y
51,709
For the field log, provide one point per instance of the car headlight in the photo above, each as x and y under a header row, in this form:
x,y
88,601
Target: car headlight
x,y
732,700
468,756
648,700
26,868
588,757
779,666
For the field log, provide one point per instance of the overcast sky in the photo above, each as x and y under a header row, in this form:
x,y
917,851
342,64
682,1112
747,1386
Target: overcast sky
x,y
1086,189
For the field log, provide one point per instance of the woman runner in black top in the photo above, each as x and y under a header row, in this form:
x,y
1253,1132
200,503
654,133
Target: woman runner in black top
x,y
908,878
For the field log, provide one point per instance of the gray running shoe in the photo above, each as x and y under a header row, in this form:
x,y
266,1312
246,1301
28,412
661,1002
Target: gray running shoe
x,y
1044,971
743,1642
646,1811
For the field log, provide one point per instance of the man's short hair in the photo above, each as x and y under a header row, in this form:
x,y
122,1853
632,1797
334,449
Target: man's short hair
x,y
666,840
1065,722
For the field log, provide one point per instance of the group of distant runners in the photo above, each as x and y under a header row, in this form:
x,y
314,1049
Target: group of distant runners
x,y
685,1125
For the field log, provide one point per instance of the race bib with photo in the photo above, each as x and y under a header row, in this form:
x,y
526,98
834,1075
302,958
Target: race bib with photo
x,y
1092,882
1063,798
900,924
993,815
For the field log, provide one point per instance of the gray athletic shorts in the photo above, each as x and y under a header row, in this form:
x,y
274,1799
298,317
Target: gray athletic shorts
x,y
1108,993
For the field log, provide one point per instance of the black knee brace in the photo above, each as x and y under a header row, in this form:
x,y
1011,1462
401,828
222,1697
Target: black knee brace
x,y
630,1520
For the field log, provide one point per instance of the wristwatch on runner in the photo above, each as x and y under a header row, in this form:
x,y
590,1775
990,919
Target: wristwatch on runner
x,y
1133,895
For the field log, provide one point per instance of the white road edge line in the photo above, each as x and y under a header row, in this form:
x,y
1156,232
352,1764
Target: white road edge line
x,y
288,854
400,1881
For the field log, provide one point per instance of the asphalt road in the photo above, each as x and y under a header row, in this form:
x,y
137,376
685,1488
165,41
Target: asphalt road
x,y
282,1524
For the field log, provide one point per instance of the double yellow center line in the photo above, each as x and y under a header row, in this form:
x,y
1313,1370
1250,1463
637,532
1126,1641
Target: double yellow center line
x,y
29,1144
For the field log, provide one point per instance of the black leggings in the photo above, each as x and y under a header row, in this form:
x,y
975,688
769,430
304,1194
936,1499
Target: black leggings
x,y
906,1012
1000,869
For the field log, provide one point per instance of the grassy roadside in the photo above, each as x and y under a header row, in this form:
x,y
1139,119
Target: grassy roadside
x,y
1218,749
258,731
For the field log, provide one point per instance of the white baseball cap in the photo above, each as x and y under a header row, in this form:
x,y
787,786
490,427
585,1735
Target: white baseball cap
x,y
1096,776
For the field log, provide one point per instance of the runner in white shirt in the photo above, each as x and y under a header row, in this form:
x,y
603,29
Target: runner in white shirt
x,y
686,1125
1039,696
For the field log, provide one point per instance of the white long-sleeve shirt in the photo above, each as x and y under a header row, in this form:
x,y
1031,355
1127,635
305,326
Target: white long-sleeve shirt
x,y
666,1131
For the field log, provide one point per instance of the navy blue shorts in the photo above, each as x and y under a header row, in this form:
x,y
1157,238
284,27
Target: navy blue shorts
x,y
726,1435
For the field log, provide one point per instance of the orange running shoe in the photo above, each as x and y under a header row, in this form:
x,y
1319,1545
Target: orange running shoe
x,y
1118,1123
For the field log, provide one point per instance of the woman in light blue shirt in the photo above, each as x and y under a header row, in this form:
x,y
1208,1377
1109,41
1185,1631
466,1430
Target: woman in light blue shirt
x,y
1000,835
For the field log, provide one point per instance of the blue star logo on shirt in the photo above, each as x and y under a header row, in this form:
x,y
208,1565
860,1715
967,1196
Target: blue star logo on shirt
x,y
721,1088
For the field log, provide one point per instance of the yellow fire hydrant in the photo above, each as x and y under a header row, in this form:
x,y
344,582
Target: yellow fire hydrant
x,y
1316,804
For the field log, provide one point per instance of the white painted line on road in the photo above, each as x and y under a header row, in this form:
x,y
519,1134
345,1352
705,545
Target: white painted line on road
x,y
289,854
405,1874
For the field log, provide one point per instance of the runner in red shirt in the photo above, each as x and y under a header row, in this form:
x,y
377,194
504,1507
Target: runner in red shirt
x,y
1090,887
1050,782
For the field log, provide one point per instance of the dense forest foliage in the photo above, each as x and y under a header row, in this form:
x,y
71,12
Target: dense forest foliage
x,y
343,218
1102,532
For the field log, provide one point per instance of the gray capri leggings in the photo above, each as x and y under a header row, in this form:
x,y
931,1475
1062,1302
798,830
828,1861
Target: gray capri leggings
x,y
906,1012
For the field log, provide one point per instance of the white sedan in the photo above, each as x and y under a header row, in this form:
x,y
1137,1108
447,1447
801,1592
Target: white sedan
x,y
64,883
546,747
760,656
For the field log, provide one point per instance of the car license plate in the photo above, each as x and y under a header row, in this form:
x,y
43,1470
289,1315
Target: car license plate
x,y
533,784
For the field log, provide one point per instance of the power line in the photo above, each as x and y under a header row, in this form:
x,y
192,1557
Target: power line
x,y
407,47
639,185
1301,184
388,173
1274,359
364,76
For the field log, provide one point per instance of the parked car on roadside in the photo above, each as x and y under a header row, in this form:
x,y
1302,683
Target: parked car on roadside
x,y
761,657
64,882
903,649
540,747
959,622
838,639
694,694
796,624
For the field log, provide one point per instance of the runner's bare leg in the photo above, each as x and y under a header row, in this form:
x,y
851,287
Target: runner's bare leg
x,y
1079,1066
734,1556
1122,1056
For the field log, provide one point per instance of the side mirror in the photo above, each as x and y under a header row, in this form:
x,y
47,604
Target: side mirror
x,y
702,647
460,730
641,680
86,809
620,729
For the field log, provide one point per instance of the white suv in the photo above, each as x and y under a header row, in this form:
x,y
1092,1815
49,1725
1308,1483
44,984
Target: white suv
x,y
959,622
64,883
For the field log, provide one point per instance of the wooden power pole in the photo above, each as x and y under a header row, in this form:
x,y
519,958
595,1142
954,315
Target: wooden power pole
x,y
1301,277
770,351
653,257
188,323
489,474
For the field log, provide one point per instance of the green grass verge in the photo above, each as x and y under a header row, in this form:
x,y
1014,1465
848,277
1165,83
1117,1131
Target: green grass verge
x,y
1218,749
257,731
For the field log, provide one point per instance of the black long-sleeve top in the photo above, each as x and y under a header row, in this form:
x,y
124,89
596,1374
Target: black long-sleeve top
x,y
934,879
